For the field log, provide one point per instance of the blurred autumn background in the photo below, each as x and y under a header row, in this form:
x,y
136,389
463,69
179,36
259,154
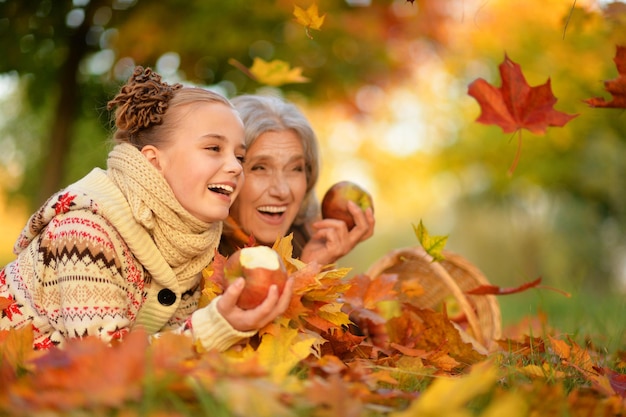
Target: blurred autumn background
x,y
387,95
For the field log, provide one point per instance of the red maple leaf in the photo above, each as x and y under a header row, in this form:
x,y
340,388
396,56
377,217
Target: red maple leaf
x,y
516,105
617,86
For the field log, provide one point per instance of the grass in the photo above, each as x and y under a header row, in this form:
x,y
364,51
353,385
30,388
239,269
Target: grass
x,y
585,316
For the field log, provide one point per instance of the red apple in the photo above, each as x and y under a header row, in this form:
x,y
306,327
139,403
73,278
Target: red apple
x,y
261,267
335,201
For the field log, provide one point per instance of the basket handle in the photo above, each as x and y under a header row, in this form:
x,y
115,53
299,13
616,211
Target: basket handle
x,y
458,294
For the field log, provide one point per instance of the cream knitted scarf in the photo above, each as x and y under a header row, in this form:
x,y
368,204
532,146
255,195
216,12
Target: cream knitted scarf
x,y
186,243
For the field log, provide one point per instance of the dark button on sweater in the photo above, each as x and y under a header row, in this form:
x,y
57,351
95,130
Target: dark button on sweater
x,y
166,297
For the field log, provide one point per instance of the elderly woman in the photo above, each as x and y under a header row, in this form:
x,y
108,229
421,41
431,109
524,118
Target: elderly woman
x,y
278,195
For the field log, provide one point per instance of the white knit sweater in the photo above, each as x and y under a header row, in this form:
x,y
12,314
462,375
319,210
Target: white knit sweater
x,y
88,268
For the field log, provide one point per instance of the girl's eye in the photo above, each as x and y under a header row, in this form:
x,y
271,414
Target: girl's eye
x,y
213,148
241,159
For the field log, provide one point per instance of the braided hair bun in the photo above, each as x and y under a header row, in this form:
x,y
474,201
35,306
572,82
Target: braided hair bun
x,y
141,103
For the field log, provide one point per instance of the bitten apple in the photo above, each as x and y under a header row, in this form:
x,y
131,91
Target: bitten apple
x,y
261,267
335,201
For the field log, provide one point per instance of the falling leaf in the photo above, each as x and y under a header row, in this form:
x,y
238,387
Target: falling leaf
x,y
309,18
516,105
617,86
273,73
433,245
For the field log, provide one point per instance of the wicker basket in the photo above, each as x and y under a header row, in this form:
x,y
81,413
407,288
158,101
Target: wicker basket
x,y
441,280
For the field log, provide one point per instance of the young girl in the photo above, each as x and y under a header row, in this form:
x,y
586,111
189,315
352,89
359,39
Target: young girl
x,y
125,247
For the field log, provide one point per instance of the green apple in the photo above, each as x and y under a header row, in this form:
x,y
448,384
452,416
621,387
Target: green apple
x,y
335,201
261,267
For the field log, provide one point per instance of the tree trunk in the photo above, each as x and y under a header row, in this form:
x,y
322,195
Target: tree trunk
x,y
68,101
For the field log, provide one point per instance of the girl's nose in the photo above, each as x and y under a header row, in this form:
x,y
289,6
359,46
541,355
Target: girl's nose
x,y
234,165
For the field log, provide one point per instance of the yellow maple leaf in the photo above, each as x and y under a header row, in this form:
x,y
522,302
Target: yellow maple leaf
x,y
209,292
276,73
309,18
284,247
449,396
251,397
332,312
279,354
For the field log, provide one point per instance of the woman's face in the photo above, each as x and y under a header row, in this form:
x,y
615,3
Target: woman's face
x,y
202,160
274,188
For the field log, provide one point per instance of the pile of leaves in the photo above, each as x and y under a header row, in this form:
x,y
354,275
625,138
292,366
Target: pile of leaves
x,y
346,347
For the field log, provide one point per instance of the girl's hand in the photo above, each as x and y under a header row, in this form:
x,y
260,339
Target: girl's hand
x,y
331,239
256,318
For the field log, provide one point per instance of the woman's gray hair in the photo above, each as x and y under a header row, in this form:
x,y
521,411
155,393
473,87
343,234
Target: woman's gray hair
x,y
262,114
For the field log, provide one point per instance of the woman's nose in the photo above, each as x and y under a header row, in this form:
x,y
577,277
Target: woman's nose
x,y
279,187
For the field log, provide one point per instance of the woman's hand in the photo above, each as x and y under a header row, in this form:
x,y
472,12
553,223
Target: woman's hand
x,y
331,239
253,319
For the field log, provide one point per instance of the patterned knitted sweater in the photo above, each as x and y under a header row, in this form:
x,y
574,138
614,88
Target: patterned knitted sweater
x,y
84,267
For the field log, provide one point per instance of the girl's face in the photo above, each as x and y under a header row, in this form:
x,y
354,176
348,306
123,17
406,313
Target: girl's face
x,y
202,159
275,186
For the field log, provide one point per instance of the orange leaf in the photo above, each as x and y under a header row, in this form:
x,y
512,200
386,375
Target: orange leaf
x,y
86,373
438,333
617,86
365,292
560,348
334,397
16,350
